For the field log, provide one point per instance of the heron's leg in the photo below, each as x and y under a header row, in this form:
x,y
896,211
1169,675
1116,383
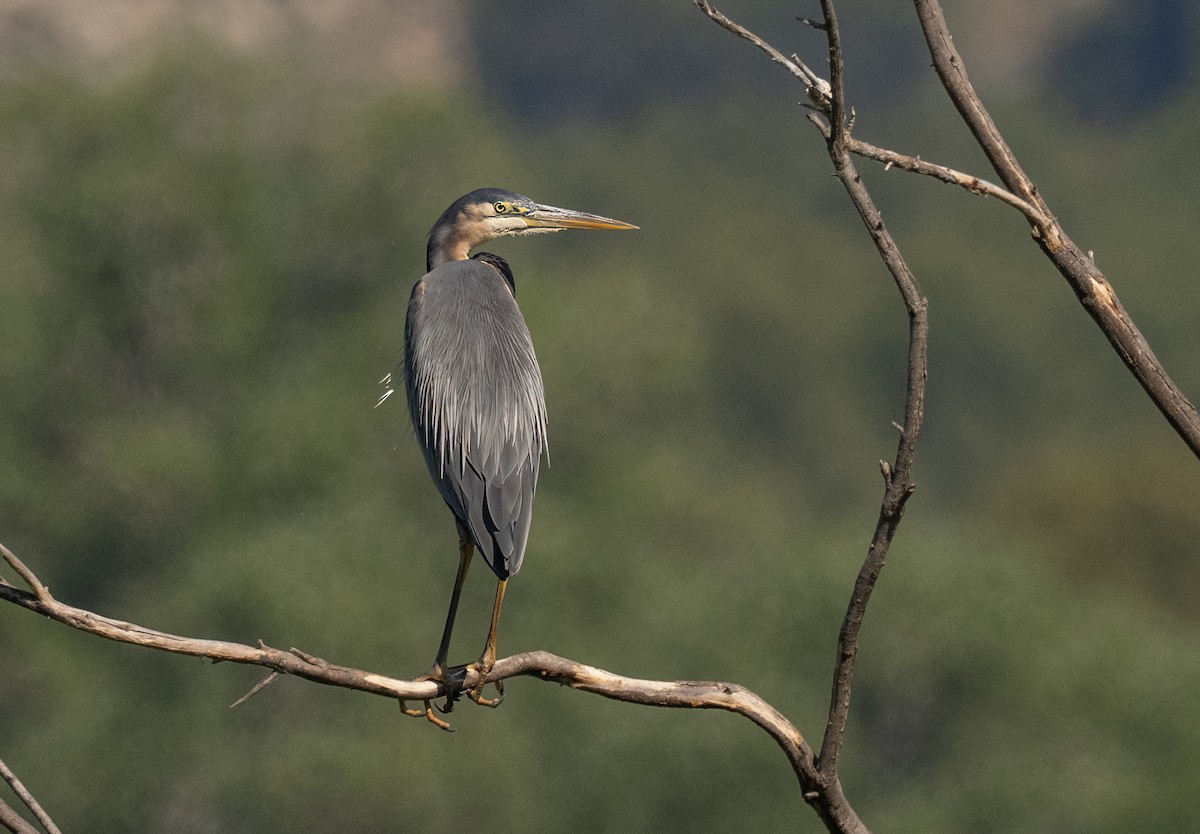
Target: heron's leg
x,y
488,659
450,678
466,549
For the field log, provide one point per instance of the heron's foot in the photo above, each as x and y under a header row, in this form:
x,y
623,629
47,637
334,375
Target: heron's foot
x,y
451,683
426,713
482,668
476,695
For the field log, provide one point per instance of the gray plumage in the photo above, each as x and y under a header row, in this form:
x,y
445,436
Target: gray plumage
x,y
476,399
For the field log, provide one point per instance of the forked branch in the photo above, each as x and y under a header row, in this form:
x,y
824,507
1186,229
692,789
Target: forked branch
x,y
1091,287
13,821
1018,191
10,820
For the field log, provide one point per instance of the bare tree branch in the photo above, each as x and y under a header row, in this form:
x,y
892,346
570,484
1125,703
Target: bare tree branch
x,y
730,697
816,87
1091,287
837,106
15,822
820,91
25,573
1088,282
916,165
897,476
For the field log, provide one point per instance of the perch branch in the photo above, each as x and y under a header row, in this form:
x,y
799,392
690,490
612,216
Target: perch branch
x,y
35,584
538,664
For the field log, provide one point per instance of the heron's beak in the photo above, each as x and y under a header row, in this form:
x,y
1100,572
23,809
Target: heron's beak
x,y
549,217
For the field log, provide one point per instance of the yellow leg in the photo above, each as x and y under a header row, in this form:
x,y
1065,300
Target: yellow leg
x,y
426,713
488,659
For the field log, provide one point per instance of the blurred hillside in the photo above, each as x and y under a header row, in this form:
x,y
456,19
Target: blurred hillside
x,y
1105,57
207,257
409,41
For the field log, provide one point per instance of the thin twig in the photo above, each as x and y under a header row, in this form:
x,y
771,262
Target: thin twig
x,y
817,88
35,584
742,32
25,796
254,690
970,182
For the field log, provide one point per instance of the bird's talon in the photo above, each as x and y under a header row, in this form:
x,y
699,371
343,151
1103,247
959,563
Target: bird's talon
x,y
437,722
409,711
475,693
478,697
426,713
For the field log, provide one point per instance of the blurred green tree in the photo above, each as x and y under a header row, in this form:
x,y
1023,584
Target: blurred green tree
x,y
206,267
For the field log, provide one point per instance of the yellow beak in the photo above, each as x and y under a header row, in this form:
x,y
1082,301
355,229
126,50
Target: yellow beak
x,y
558,218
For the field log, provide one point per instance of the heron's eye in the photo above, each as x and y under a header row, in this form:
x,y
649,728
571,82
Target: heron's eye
x,y
501,208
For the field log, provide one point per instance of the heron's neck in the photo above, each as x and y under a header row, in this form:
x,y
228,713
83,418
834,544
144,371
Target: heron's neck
x,y
438,253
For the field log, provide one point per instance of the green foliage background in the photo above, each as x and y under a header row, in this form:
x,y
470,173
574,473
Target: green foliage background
x,y
206,265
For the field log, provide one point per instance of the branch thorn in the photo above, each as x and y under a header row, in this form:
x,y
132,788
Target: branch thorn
x,y
255,690
308,658
39,590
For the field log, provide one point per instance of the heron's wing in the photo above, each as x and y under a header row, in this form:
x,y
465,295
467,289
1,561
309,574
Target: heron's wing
x,y
475,395
499,510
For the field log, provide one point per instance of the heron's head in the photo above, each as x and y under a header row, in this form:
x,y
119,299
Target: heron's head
x,y
489,213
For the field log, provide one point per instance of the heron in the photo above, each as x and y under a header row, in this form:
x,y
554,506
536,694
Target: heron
x,y
476,399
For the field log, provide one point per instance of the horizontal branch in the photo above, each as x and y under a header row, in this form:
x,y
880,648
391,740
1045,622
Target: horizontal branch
x,y
538,664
